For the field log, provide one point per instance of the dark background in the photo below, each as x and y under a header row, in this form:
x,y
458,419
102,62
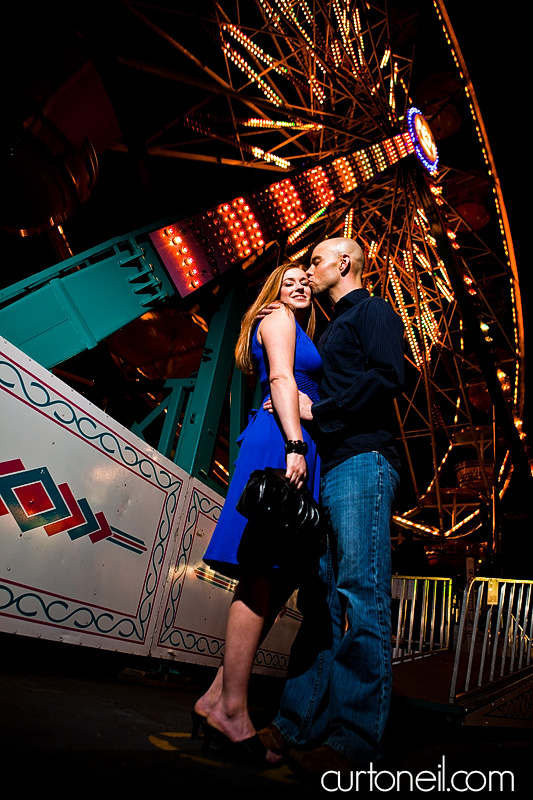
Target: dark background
x,y
495,47
495,50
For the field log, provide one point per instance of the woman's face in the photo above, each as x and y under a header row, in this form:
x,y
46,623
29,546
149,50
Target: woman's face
x,y
295,290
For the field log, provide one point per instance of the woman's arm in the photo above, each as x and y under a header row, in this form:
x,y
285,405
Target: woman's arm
x,y
277,334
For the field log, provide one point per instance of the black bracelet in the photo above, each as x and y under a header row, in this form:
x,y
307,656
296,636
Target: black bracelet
x,y
296,446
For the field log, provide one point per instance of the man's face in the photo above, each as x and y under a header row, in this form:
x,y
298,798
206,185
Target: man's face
x,y
323,272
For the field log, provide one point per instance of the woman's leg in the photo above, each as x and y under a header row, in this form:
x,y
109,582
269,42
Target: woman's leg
x,y
246,622
278,593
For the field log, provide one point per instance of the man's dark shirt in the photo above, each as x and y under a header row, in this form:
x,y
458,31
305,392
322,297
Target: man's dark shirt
x,y
362,352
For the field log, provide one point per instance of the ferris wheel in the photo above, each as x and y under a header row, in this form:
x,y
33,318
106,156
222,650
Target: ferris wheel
x,y
359,110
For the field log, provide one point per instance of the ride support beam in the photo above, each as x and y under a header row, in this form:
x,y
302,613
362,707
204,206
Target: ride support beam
x,y
237,415
172,408
194,451
486,361
56,314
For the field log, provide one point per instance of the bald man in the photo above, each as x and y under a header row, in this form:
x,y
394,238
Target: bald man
x,y
336,700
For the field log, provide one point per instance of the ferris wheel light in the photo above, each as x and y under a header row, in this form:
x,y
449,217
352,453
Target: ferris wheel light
x,y
422,139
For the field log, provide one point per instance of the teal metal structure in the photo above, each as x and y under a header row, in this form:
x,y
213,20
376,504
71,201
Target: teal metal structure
x,y
64,310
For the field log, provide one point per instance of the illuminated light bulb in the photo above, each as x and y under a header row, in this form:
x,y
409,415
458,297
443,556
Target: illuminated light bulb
x,y
184,249
169,232
177,240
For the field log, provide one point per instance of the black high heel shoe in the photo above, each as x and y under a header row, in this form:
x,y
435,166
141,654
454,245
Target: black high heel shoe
x,y
198,722
247,751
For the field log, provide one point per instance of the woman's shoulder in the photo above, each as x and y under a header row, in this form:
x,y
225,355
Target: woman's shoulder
x,y
280,322
282,315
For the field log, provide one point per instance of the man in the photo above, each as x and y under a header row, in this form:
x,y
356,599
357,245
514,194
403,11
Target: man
x,y
336,701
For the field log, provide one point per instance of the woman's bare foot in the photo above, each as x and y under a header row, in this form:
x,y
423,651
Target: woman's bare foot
x,y
209,699
237,726
202,708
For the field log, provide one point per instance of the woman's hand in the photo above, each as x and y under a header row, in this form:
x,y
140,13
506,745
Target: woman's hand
x,y
296,469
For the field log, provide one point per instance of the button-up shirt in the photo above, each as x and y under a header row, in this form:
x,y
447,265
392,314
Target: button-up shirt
x,y
362,352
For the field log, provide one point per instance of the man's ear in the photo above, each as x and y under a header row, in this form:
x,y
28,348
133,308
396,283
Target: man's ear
x,y
345,264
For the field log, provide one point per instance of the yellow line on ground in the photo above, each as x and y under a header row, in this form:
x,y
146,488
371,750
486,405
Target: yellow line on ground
x,y
162,744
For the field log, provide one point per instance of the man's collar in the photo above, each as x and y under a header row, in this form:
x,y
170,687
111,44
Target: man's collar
x,y
351,299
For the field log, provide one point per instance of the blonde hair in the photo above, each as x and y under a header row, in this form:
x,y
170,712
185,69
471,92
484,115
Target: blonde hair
x,y
269,294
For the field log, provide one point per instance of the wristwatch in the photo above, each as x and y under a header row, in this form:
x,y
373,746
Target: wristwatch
x,y
296,446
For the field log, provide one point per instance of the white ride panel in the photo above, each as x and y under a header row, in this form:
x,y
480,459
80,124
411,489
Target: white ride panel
x,y
102,537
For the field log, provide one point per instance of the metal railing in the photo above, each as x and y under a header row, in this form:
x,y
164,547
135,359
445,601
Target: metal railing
x,y
494,635
421,616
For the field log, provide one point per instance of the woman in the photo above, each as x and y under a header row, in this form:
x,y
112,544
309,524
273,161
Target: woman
x,y
286,361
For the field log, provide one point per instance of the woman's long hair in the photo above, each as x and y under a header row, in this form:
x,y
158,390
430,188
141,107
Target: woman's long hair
x,y
269,294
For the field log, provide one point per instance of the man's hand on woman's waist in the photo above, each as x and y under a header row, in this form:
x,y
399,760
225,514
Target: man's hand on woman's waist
x,y
305,403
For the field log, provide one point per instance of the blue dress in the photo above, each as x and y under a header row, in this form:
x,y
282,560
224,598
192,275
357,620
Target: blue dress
x,y
262,444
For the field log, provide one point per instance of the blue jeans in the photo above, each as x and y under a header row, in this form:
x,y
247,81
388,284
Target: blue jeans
x,y
340,675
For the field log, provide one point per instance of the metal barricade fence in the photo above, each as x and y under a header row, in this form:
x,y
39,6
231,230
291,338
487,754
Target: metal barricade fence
x,y
494,634
421,616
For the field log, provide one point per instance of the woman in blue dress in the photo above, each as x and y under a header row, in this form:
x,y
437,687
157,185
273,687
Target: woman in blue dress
x,y
280,350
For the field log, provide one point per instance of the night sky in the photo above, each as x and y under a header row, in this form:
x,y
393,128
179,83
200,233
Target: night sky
x,y
496,53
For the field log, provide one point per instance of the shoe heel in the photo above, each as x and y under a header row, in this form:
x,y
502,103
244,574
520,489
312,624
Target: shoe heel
x,y
198,722
208,737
